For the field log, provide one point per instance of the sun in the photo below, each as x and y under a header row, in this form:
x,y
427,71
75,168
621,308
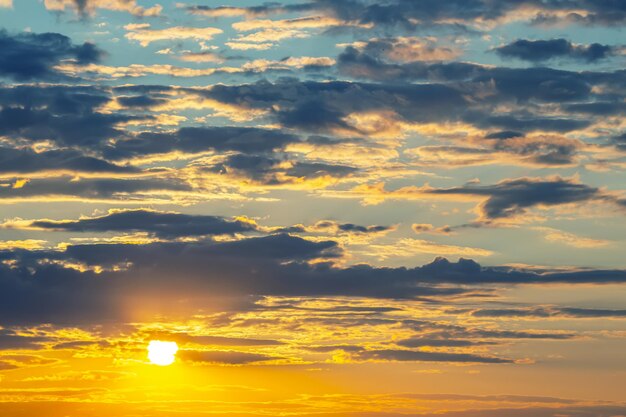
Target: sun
x,y
162,353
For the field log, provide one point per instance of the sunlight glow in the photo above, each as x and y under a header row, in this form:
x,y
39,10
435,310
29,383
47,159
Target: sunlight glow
x,y
162,353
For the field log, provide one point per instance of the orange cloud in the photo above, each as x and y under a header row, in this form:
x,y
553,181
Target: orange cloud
x,y
144,35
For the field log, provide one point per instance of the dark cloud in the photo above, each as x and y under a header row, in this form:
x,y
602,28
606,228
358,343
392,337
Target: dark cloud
x,y
543,50
38,125
426,342
140,102
619,141
175,278
352,228
68,116
10,340
513,197
416,14
412,14
427,356
367,65
89,188
26,160
457,93
323,106
469,271
76,344
519,84
597,108
30,56
271,171
201,139
59,100
332,348
184,338
505,134
450,335
573,411
550,312
159,224
223,357
86,8
526,123
266,9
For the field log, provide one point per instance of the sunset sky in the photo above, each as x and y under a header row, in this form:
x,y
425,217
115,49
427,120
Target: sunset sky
x,y
312,208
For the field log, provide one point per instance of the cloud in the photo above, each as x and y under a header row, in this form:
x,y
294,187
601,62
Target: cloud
x,y
512,198
193,140
223,357
350,227
429,342
506,84
502,99
209,340
273,172
26,160
62,114
145,36
21,244
544,50
249,68
457,14
328,106
159,224
534,150
10,340
410,15
67,188
102,282
429,228
407,49
247,46
30,56
570,239
507,200
407,247
544,312
402,355
253,11
89,7
205,56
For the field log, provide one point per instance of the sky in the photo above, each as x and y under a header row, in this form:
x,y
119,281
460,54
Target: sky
x,y
324,208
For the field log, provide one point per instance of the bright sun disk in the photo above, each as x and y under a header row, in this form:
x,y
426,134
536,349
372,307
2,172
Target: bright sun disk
x,y
162,353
